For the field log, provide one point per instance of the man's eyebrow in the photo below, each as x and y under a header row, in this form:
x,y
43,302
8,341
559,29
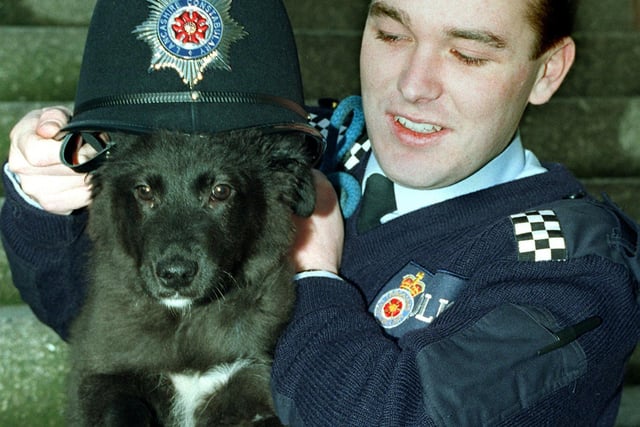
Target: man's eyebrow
x,y
481,36
380,9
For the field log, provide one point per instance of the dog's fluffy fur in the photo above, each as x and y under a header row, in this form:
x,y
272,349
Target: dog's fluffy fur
x,y
190,280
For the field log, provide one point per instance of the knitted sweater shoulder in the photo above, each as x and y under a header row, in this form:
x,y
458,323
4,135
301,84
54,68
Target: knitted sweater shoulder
x,y
449,315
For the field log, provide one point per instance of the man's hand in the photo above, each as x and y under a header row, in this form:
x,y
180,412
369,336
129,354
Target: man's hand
x,y
320,237
34,156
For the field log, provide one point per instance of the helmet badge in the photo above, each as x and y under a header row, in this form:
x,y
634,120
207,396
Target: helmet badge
x,y
190,36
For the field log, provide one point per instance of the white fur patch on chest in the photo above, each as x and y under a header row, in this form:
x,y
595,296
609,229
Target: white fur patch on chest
x,y
193,389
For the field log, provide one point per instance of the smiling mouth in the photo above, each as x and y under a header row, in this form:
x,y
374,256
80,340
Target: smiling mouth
x,y
425,128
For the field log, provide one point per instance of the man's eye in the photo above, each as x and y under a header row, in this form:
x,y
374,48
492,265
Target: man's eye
x,y
388,37
468,60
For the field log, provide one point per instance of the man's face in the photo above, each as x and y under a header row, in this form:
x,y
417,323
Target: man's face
x,y
444,84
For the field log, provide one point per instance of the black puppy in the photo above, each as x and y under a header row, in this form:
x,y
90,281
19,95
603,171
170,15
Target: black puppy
x,y
190,279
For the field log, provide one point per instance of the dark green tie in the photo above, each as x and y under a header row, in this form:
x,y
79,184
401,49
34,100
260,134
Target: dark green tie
x,y
377,201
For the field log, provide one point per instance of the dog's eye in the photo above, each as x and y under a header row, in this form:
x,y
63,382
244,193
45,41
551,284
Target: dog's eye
x,y
220,192
144,193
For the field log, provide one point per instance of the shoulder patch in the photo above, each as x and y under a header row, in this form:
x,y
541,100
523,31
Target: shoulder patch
x,y
413,298
539,236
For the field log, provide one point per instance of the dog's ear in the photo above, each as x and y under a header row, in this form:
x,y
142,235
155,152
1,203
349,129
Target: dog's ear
x,y
290,161
303,200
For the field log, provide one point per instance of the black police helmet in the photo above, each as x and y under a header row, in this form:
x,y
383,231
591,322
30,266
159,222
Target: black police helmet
x,y
195,66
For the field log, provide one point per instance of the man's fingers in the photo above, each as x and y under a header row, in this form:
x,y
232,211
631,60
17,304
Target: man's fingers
x,y
51,121
319,238
67,202
58,194
32,143
86,153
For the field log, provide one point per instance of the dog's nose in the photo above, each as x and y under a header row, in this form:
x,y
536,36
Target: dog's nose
x,y
176,272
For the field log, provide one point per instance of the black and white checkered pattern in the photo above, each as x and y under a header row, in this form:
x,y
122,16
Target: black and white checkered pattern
x,y
321,124
354,155
539,236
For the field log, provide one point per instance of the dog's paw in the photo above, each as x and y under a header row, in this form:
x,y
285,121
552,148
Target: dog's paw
x,y
245,401
228,415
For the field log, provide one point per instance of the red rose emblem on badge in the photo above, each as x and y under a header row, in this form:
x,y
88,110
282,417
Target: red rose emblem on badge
x,y
393,307
190,36
190,27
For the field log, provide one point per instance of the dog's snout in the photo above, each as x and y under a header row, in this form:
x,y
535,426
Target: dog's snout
x,y
176,272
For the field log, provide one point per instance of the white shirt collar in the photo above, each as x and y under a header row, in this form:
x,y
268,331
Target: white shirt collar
x,y
513,163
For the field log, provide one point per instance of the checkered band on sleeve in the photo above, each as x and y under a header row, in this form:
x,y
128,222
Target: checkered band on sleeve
x,y
539,236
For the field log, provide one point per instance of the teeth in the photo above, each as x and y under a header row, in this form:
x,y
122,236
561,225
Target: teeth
x,y
418,127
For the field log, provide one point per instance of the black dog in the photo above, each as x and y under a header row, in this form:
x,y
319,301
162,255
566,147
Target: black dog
x,y
190,279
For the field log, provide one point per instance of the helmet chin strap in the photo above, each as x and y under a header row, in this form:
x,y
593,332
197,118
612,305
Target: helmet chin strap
x,y
71,144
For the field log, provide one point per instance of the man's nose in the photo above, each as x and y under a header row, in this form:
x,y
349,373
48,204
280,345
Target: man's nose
x,y
421,79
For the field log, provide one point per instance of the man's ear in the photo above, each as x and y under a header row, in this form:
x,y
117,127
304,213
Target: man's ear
x,y
555,66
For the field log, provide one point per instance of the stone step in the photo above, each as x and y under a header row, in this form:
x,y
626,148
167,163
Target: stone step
x,y
607,15
42,63
593,15
46,12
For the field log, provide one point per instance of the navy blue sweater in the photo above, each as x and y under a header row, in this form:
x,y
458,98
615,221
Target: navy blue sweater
x,y
47,254
450,315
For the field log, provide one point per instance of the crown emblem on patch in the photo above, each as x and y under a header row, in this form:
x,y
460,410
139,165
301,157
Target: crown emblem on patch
x,y
190,36
413,284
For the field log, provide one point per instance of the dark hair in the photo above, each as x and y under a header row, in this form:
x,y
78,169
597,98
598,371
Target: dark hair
x,y
551,20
